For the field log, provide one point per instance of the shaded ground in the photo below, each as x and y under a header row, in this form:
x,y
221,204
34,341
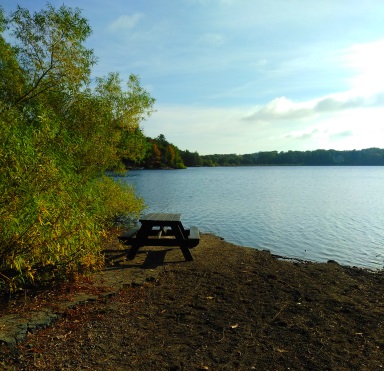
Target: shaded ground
x,y
232,308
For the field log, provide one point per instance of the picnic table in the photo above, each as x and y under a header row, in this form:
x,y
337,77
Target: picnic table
x,y
158,229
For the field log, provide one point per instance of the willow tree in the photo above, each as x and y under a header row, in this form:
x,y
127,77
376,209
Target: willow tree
x,y
58,137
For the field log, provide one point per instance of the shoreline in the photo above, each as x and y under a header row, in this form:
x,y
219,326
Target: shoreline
x,y
293,260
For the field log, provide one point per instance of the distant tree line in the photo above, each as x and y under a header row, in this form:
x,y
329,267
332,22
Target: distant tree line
x,y
158,153
320,157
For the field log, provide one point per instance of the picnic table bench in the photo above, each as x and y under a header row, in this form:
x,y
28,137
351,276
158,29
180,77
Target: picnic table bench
x,y
158,229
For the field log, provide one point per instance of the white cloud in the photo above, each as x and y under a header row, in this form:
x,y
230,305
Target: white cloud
x,y
280,108
357,129
303,134
367,60
285,109
126,22
342,134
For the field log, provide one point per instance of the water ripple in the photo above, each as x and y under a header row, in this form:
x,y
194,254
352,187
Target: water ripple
x,y
315,213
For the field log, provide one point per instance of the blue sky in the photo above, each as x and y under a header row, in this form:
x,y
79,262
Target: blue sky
x,y
242,76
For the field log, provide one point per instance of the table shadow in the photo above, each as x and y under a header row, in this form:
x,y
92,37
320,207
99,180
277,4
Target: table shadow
x,y
116,259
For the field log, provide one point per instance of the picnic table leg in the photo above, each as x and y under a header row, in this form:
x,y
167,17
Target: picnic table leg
x,y
141,235
133,251
183,246
187,254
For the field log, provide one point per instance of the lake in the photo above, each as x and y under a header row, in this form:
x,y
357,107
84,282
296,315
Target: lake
x,y
310,213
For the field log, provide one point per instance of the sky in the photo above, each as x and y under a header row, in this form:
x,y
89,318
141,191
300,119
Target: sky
x,y
244,76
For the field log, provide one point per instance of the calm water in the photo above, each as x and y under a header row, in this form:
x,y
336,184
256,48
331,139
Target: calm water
x,y
313,213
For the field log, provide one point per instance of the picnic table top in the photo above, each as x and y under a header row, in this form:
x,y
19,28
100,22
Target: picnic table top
x,y
160,217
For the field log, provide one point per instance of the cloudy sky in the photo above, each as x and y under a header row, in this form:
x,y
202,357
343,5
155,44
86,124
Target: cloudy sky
x,y
242,76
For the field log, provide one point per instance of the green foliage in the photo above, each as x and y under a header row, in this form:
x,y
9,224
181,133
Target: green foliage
x,y
11,75
125,109
136,147
191,159
58,138
116,202
151,153
163,154
50,49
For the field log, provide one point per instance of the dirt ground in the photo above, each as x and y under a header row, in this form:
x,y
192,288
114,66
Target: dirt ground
x,y
232,308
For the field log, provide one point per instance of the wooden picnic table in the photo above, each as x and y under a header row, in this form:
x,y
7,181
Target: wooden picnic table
x,y
156,230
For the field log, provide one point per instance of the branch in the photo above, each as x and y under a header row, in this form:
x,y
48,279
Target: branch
x,y
25,96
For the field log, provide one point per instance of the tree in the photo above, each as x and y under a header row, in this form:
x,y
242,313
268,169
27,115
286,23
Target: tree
x,y
50,50
154,160
135,148
191,159
163,154
59,136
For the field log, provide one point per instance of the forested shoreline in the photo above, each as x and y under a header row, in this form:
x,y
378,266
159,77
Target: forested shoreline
x,y
320,157
160,154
